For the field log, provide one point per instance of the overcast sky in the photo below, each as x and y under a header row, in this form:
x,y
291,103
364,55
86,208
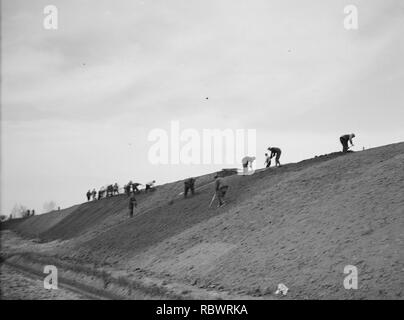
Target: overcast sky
x,y
79,102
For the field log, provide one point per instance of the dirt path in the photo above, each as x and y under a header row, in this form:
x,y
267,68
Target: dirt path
x,y
16,285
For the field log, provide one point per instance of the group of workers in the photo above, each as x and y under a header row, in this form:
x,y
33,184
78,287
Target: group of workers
x,y
220,187
29,213
276,152
247,161
131,187
113,189
109,191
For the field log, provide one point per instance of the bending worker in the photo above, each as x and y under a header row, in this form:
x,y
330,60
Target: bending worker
x,y
275,152
247,162
344,141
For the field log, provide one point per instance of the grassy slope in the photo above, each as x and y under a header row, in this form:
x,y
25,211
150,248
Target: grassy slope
x,y
299,224
34,226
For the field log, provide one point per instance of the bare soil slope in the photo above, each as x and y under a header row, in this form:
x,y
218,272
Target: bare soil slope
x,y
298,225
34,226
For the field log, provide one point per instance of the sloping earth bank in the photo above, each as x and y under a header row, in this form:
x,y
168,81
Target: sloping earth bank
x,y
300,225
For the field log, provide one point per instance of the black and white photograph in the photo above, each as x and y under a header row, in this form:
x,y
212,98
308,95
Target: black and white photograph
x,y
226,152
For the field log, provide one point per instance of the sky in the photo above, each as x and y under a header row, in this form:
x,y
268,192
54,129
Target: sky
x,y
78,103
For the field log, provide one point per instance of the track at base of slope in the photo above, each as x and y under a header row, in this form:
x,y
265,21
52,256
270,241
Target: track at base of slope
x,y
87,292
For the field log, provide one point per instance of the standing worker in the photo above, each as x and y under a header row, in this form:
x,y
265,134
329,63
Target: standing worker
x,y
275,152
189,184
132,204
220,191
88,195
127,189
267,162
94,194
115,189
344,141
101,193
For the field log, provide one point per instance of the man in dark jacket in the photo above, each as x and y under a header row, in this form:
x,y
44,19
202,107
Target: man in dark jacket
x,y
132,204
344,141
275,152
94,194
127,189
189,185
150,186
100,193
135,186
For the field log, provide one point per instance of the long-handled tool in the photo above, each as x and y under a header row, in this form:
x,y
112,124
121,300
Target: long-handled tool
x,y
213,198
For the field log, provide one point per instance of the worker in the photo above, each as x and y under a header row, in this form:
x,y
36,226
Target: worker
x,y
189,185
94,194
127,189
88,195
150,186
135,186
247,162
132,204
220,189
267,162
110,190
101,193
116,189
344,141
275,152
